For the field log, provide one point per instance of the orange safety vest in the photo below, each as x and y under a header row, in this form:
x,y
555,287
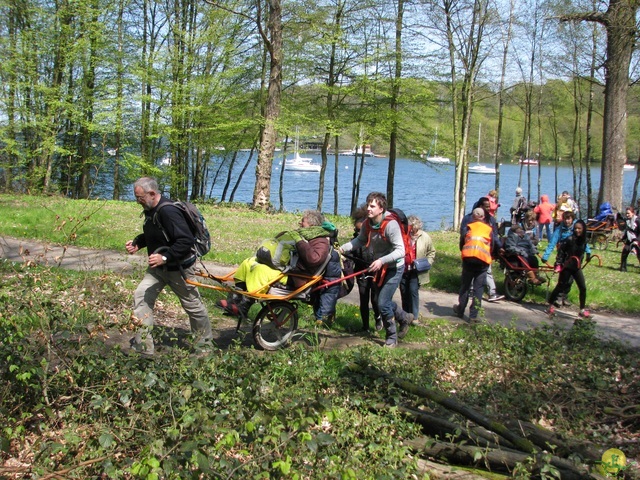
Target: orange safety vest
x,y
477,242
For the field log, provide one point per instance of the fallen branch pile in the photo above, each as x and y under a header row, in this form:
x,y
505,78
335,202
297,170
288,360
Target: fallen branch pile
x,y
485,442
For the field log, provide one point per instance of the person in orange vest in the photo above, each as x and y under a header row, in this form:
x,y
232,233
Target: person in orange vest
x,y
476,245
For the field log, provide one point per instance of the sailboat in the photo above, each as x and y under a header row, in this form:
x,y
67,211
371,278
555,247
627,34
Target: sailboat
x,y
478,168
437,158
298,163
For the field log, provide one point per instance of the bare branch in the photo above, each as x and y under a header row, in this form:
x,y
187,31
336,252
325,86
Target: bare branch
x,y
598,17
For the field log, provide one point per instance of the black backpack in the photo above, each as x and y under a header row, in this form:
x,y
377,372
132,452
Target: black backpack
x,y
197,225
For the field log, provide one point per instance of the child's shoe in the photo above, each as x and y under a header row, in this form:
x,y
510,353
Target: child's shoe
x,y
584,313
551,310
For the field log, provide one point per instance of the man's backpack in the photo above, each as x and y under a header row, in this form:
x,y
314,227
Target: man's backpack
x,y
399,216
196,222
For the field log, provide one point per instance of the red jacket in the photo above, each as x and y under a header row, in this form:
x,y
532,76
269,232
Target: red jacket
x,y
544,210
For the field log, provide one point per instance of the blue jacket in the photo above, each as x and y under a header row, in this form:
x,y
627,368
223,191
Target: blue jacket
x,y
561,233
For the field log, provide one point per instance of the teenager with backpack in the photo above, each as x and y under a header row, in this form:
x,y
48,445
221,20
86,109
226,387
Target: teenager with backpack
x,y
383,236
170,245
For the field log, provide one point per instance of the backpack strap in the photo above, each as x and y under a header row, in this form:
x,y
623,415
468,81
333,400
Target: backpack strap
x,y
158,223
156,219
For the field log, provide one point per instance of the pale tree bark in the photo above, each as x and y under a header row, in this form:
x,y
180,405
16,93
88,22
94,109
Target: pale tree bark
x,y
272,38
465,46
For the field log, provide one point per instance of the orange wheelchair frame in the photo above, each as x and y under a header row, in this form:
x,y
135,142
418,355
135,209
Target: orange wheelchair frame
x,y
276,323
516,281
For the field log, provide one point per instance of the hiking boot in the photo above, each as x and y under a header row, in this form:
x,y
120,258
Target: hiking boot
x,y
324,322
457,311
390,344
404,329
565,302
402,317
379,325
203,345
495,298
142,346
584,313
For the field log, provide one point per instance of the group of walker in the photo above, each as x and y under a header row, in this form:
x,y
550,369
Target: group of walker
x,y
315,271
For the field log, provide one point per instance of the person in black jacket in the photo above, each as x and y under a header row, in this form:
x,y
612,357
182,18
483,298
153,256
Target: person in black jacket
x,y
363,257
571,252
170,246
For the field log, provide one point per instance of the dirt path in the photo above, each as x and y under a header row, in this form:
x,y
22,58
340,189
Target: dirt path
x,y
433,303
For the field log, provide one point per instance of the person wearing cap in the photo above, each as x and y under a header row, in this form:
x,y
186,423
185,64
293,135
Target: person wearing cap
x,y
519,204
476,244
485,204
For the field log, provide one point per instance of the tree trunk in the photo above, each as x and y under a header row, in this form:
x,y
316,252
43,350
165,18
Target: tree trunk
x,y
621,34
262,190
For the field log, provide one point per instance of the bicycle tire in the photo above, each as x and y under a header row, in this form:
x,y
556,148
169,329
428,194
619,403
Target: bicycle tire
x,y
275,325
515,286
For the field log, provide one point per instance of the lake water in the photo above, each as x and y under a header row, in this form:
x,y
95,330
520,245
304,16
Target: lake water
x,y
421,189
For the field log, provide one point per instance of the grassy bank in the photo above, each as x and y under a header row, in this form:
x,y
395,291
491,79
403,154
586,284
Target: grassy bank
x,y
237,230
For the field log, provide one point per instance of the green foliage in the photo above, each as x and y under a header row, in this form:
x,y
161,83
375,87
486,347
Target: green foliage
x,y
298,413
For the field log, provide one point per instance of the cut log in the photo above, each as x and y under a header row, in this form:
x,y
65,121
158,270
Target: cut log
x,y
452,404
495,460
561,446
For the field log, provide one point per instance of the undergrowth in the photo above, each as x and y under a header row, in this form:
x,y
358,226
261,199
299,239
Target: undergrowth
x,y
72,406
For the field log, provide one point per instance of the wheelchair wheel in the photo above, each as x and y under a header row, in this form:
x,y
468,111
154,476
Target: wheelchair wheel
x,y
600,241
515,286
275,325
